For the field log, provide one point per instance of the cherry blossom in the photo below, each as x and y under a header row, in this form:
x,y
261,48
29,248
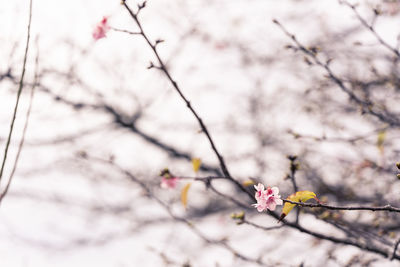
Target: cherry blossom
x,y
169,182
267,199
101,29
260,190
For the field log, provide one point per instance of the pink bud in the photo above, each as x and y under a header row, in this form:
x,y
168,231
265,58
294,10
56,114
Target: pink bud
x,y
169,182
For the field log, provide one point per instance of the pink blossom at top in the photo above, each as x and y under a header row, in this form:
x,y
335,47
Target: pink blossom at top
x,y
169,182
267,199
101,29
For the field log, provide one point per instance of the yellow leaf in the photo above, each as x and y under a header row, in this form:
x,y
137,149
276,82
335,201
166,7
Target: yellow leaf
x,y
248,183
380,140
300,196
184,194
196,162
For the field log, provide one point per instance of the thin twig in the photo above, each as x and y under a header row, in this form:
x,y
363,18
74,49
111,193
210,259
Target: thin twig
x,y
205,178
21,144
324,138
125,31
21,85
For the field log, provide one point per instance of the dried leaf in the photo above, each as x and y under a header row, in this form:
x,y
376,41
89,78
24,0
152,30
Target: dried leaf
x,y
184,194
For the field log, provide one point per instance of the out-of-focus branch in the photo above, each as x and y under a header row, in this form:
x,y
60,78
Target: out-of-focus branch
x,y
129,123
293,169
371,28
333,139
367,108
395,249
264,228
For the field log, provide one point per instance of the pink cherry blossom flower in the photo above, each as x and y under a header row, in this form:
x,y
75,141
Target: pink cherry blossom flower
x,y
101,29
260,191
272,201
169,182
267,199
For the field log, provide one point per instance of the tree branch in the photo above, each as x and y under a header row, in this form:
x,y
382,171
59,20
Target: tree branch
x,y
320,205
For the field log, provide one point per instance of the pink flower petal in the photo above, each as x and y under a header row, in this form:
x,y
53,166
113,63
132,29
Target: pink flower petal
x,y
259,187
169,182
101,29
271,205
275,190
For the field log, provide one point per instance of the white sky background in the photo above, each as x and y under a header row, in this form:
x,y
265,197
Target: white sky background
x,y
37,232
